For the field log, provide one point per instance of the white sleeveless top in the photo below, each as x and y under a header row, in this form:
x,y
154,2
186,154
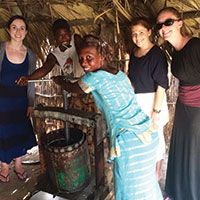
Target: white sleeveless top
x,y
68,60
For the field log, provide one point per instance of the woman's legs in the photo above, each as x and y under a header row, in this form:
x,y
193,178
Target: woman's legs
x,y
21,173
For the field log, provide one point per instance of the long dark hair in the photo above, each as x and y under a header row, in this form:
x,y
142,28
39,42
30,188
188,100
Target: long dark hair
x,y
14,18
142,21
146,23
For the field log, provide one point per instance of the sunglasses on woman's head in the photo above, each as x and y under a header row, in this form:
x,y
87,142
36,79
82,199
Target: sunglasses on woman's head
x,y
168,22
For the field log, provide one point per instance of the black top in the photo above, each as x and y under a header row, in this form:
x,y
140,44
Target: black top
x,y
186,63
149,71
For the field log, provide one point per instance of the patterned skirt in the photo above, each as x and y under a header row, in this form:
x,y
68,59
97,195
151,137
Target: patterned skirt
x,y
134,169
164,118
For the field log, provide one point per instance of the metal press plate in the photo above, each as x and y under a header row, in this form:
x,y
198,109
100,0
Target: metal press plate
x,y
45,196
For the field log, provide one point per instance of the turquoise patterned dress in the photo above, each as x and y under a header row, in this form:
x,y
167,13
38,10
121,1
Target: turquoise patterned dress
x,y
133,140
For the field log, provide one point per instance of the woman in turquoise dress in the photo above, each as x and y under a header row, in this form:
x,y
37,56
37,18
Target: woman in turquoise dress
x,y
16,103
133,140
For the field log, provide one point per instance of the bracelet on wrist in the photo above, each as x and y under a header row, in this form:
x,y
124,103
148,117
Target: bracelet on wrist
x,y
156,111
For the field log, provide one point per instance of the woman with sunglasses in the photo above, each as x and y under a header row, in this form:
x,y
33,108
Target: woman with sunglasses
x,y
147,71
183,171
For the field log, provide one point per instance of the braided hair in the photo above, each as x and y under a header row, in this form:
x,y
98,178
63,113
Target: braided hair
x,y
102,47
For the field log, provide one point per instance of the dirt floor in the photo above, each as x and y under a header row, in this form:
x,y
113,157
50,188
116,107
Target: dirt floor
x,y
18,190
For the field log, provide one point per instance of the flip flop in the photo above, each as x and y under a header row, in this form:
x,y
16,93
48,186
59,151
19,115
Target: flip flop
x,y
19,175
5,177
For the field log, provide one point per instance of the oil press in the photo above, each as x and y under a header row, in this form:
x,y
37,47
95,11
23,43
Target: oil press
x,y
65,159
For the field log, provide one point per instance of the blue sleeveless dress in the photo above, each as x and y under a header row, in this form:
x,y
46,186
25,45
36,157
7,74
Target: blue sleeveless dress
x,y
16,132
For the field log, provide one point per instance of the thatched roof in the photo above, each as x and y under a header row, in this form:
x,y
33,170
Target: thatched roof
x,y
108,18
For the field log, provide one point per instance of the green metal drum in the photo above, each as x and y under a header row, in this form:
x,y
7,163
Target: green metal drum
x,y
68,165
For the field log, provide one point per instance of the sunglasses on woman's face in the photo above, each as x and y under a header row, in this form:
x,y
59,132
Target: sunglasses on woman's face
x,y
168,22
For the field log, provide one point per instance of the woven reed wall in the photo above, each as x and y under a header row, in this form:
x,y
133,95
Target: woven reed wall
x,y
172,94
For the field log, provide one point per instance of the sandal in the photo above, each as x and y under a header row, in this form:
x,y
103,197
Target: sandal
x,y
21,176
5,177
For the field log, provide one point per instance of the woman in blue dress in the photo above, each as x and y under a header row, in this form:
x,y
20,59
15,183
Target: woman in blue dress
x,y
16,103
133,140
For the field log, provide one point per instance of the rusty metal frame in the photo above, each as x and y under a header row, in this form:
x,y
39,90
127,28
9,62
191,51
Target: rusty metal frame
x,y
78,117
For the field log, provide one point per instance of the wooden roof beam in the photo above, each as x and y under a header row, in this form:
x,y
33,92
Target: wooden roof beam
x,y
21,8
191,14
90,21
76,22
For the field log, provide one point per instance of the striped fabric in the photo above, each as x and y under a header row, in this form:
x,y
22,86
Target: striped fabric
x,y
115,98
134,169
164,117
16,133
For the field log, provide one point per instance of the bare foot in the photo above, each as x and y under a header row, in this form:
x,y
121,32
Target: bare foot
x,y
4,174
